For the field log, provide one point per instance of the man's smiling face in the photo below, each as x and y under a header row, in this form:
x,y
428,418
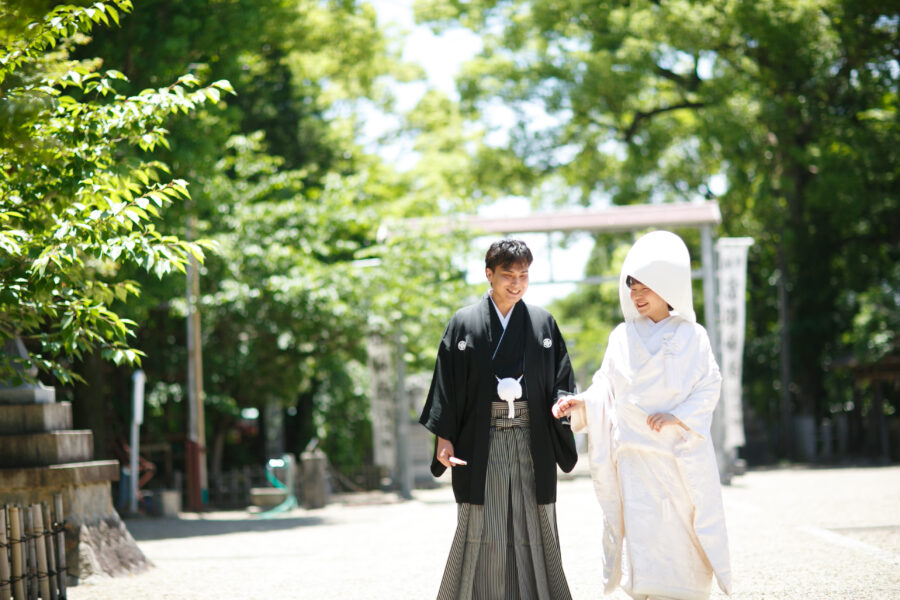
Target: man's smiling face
x,y
508,284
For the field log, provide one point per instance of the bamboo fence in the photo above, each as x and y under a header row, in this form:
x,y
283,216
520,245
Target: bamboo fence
x,y
33,552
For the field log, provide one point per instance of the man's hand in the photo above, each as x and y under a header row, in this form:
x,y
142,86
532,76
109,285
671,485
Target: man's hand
x,y
565,405
659,420
444,452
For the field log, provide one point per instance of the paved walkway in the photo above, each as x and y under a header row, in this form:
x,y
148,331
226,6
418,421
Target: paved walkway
x,y
794,533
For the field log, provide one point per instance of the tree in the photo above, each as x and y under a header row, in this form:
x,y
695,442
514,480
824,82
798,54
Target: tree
x,y
786,112
73,212
304,281
298,209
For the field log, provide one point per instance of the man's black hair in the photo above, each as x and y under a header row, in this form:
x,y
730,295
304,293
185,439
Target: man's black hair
x,y
505,253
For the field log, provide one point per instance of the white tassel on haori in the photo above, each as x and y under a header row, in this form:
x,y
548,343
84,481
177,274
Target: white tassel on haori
x,y
509,390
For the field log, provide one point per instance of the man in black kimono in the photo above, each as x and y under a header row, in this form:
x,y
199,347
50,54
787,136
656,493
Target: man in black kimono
x,y
501,365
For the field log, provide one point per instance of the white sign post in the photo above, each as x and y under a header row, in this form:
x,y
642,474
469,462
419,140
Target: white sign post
x,y
137,404
732,283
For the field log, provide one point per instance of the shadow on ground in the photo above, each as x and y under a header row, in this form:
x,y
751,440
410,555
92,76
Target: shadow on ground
x,y
162,529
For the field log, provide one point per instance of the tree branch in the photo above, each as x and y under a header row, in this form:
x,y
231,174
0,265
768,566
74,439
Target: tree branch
x,y
642,116
687,83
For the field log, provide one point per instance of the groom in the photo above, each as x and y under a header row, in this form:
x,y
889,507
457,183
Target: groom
x,y
500,367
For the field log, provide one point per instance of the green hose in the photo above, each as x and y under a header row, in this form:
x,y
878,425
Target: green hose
x,y
290,502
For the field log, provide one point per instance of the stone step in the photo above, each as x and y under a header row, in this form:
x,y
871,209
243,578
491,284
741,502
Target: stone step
x,y
27,394
41,449
21,485
35,418
267,497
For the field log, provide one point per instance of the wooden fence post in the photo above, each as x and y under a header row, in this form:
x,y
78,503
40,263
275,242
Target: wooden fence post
x,y
15,541
59,526
31,556
40,549
30,543
48,550
5,585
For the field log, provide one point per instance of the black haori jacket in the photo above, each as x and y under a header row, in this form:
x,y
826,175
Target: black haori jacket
x,y
463,387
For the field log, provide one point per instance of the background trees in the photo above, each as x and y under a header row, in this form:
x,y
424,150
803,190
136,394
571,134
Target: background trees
x,y
304,274
73,213
306,265
786,112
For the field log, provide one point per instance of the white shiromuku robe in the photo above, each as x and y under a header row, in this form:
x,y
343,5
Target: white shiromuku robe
x,y
664,525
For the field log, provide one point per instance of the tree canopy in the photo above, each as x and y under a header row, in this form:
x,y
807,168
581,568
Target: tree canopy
x,y
311,255
784,112
312,244
72,212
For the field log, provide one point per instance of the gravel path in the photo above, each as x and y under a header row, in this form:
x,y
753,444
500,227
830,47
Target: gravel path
x,y
794,533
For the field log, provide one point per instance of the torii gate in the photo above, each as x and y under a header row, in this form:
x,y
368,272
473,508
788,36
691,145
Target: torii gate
x,y
727,425
703,215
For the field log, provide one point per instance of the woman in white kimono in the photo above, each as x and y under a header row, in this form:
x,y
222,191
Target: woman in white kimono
x,y
647,415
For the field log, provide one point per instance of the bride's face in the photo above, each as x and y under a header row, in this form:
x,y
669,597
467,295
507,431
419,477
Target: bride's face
x,y
648,303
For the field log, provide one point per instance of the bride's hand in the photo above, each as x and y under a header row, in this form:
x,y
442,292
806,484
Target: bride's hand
x,y
565,405
657,421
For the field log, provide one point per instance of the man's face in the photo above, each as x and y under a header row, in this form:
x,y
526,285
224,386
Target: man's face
x,y
508,283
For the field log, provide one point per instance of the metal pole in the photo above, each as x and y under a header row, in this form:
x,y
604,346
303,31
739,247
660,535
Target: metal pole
x,y
709,288
550,256
403,467
137,417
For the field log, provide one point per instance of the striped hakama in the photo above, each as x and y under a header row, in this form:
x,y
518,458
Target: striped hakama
x,y
508,548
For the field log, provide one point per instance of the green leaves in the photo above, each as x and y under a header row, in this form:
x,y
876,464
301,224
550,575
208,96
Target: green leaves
x,y
57,27
785,112
73,212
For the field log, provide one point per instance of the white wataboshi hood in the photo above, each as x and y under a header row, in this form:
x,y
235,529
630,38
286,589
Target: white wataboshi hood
x,y
661,261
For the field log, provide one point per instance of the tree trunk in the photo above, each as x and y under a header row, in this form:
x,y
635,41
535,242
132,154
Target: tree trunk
x,y
90,409
217,453
785,367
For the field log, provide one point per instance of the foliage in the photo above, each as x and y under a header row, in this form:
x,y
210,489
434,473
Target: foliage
x,y
73,211
593,307
875,325
313,258
306,277
785,112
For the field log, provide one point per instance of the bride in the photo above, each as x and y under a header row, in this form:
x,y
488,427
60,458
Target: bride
x,y
647,414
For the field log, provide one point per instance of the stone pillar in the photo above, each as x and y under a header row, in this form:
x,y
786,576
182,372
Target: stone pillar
x,y
41,455
314,478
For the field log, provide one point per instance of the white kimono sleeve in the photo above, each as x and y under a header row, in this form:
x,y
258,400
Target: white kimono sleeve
x,y
696,410
597,418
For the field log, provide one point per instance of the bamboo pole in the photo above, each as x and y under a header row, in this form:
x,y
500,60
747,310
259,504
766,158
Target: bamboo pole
x,y
5,585
15,540
51,555
60,544
31,556
40,548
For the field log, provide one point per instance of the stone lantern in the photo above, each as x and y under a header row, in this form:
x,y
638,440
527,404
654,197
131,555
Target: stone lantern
x,y
41,455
